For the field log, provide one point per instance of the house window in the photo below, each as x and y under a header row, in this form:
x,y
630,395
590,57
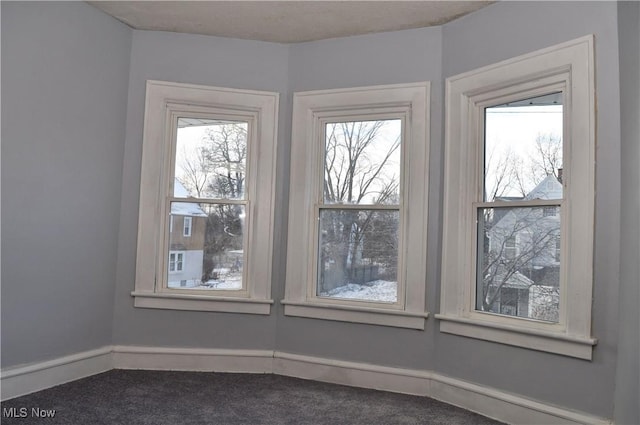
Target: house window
x,y
361,166
510,247
186,232
176,261
520,172
214,149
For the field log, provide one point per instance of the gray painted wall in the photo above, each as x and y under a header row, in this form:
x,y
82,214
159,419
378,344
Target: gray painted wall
x,y
499,32
469,43
387,58
197,60
627,407
64,88
70,180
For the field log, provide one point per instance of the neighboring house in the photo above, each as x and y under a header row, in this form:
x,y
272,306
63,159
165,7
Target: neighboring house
x,y
187,224
521,261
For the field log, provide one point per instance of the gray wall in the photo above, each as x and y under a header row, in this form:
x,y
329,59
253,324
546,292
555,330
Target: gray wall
x,y
627,407
499,32
65,68
435,54
387,58
71,173
197,60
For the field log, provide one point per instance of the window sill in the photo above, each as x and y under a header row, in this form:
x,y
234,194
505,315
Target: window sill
x,y
201,303
355,314
567,345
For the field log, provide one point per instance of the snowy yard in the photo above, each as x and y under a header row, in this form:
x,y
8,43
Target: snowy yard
x,y
227,280
379,290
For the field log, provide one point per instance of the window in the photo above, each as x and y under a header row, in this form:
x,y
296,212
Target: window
x,y
214,149
176,260
187,227
355,253
520,151
510,247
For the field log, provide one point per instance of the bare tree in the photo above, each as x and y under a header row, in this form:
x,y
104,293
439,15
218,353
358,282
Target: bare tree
x,y
502,174
508,173
216,169
351,171
503,262
547,157
358,169
227,154
196,171
521,244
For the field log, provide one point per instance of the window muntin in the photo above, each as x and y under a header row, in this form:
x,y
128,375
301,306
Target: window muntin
x,y
523,153
358,247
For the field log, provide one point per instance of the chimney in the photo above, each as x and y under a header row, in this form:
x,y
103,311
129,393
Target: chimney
x,y
560,175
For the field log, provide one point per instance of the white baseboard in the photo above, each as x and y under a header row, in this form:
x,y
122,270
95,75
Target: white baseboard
x,y
192,359
487,401
21,380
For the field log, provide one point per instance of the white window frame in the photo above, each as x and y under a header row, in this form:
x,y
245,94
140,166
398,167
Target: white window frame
x,y
571,66
165,102
186,228
310,111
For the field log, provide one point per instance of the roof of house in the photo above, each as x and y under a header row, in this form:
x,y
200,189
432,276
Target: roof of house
x,y
191,209
549,188
516,280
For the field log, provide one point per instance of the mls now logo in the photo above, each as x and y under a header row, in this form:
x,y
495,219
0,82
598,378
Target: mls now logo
x,y
23,412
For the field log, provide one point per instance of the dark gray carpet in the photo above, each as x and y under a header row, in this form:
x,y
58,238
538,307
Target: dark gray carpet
x,y
158,398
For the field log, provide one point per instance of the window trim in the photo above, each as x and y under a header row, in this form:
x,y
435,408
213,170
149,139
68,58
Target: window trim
x,y
540,71
163,101
310,110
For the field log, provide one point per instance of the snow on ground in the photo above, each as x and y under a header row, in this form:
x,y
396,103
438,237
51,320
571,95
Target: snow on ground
x,y
231,281
379,290
228,281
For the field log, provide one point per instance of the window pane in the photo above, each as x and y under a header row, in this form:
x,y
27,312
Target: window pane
x,y
211,158
213,256
362,162
523,149
519,263
358,255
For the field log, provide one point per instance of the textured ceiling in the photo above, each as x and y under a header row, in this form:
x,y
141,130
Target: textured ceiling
x,y
285,21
